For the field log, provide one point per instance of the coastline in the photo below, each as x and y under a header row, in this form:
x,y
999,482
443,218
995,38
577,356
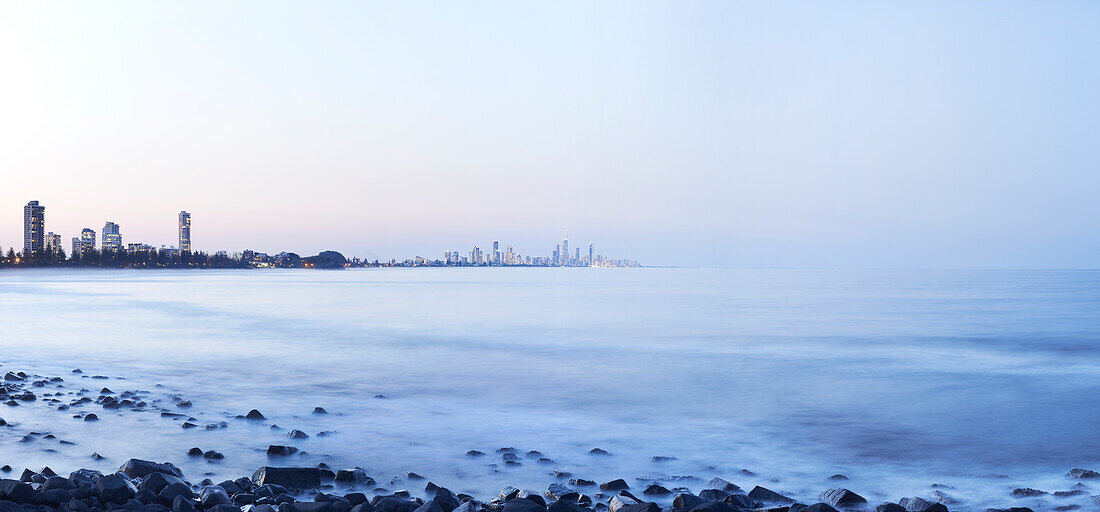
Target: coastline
x,y
284,484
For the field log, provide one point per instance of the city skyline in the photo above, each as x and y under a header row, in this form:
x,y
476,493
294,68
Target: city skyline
x,y
37,246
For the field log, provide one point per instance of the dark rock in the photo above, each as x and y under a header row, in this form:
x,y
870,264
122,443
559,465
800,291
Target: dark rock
x,y
842,498
276,450
168,493
213,455
722,485
297,434
641,507
14,490
137,468
715,506
1081,473
889,507
556,491
319,410
615,485
85,477
564,506
57,482
97,456
838,477
819,507
353,476
474,453
523,505
768,496
713,494
598,451
1027,492
254,415
395,504
157,481
739,501
212,495
114,488
580,482
195,452
1066,494
446,500
916,504
305,506
686,501
531,495
413,476
294,478
662,458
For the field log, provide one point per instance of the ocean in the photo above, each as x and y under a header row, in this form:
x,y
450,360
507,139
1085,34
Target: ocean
x,y
979,381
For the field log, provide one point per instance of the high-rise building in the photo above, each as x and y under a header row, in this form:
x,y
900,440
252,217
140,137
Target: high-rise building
x,y
34,228
52,243
78,248
112,238
185,232
87,240
565,251
496,252
589,253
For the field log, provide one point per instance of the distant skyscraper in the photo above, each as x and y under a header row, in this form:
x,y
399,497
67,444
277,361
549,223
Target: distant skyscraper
x,y
565,251
87,240
78,248
112,238
34,227
185,232
496,252
53,242
589,253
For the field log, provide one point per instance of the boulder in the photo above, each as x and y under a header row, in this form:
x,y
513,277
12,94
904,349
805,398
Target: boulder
x,y
294,478
137,468
739,501
615,485
14,490
722,485
254,415
1081,473
889,507
523,505
446,500
212,495
842,498
157,481
916,504
768,496
820,507
686,501
277,450
656,490
57,482
114,488
168,493
564,506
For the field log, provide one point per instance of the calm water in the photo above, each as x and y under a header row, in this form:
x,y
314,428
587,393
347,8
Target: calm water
x,y
984,381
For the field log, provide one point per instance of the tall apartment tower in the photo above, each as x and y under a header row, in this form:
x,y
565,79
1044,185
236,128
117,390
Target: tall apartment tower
x,y
589,253
87,239
112,238
185,232
34,227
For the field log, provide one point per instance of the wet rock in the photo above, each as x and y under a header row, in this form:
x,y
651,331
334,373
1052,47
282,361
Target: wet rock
x,y
564,506
254,415
598,451
474,453
155,482
619,502
297,434
615,485
321,410
842,498
838,477
522,505
556,491
114,488
713,494
686,501
1081,473
819,507
916,504
889,507
446,500
294,478
1066,508
276,450
580,482
195,452
722,485
169,492
413,476
14,490
212,495
1027,492
766,495
353,476
739,501
137,468
1066,494
662,458
212,455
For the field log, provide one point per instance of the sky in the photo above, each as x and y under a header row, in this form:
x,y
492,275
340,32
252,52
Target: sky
x,y
907,134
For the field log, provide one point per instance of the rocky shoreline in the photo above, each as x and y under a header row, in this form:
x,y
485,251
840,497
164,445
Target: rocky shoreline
x,y
286,485
146,486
